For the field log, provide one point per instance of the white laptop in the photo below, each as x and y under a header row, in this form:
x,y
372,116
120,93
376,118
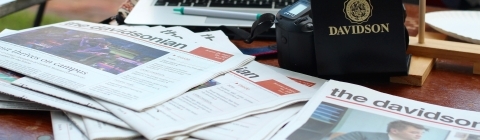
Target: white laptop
x,y
160,12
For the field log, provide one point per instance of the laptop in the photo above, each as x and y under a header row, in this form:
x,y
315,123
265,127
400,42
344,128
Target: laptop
x,y
160,12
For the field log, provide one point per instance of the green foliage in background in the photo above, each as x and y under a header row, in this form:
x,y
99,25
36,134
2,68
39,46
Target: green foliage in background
x,y
24,19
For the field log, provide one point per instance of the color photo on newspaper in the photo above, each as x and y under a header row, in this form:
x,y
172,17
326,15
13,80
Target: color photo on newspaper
x,y
102,52
333,122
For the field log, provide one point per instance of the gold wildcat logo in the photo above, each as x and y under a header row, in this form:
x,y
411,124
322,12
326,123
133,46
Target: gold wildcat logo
x,y
357,11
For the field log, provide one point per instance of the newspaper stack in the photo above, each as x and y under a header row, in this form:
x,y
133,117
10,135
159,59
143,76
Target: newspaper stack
x,y
14,103
117,82
10,102
112,82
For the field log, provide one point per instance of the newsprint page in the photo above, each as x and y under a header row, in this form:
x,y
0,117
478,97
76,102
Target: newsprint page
x,y
344,111
251,89
130,67
64,129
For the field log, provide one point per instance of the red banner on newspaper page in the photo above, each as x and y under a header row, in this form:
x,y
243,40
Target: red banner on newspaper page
x,y
277,87
307,83
211,54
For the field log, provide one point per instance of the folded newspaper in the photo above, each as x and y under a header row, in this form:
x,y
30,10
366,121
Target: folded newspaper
x,y
11,102
72,102
205,38
99,130
64,129
264,125
61,104
25,106
77,120
5,97
344,111
245,91
130,67
262,128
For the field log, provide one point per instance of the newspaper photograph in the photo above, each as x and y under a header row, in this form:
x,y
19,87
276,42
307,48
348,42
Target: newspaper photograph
x,y
129,67
344,111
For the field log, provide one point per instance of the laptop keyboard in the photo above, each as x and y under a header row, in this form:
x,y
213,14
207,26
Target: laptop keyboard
x,y
275,4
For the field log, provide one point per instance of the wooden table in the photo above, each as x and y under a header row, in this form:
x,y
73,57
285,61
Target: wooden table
x,y
450,84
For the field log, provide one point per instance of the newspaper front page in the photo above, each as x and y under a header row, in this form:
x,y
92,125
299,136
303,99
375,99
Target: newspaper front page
x,y
132,68
248,90
205,38
44,87
12,102
344,111
9,76
69,95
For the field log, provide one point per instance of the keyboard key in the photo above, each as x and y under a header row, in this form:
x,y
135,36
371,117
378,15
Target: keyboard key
x,y
160,3
216,3
284,3
240,3
173,3
281,4
227,3
186,3
260,4
200,3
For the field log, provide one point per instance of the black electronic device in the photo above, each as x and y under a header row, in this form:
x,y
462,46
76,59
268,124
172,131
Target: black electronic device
x,y
294,32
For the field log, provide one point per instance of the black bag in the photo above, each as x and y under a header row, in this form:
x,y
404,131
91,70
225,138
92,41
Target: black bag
x,y
360,38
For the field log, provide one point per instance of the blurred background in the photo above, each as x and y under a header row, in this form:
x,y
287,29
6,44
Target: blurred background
x,y
98,10
62,10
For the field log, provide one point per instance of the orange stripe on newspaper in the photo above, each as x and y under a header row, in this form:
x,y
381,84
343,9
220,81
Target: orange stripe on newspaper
x,y
307,83
211,54
277,87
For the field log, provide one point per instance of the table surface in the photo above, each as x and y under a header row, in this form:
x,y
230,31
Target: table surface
x,y
450,83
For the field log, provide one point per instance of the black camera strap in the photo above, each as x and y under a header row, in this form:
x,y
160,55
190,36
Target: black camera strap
x,y
262,24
